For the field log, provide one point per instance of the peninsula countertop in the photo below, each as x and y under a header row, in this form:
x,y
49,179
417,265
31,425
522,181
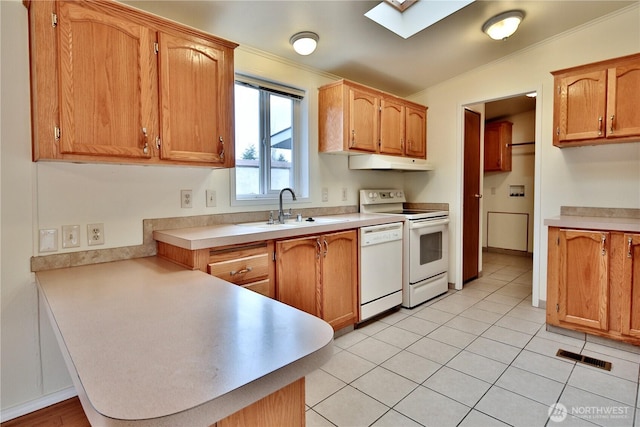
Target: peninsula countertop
x,y
233,234
149,343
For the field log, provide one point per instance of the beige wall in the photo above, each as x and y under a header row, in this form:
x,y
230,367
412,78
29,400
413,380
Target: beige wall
x,y
45,195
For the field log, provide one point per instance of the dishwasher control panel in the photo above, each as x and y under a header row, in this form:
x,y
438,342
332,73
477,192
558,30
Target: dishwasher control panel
x,y
380,234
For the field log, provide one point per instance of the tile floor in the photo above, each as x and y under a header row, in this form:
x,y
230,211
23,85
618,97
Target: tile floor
x,y
476,357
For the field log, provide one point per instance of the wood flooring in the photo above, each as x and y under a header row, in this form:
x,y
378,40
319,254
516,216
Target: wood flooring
x,y
67,413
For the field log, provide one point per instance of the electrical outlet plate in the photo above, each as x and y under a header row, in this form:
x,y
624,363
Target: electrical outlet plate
x,y
186,198
48,240
95,234
325,194
70,236
211,198
344,194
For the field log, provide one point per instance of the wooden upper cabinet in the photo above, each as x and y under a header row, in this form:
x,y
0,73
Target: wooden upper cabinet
x,y
415,131
103,92
196,111
622,102
107,84
597,103
497,146
392,126
353,118
363,131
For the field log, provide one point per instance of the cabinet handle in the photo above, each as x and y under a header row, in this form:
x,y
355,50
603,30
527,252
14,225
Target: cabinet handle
x,y
319,245
221,151
629,243
326,248
244,270
613,116
145,148
604,240
353,137
600,125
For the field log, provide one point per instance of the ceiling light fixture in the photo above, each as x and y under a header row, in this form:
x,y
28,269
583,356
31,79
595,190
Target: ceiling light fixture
x,y
502,26
305,42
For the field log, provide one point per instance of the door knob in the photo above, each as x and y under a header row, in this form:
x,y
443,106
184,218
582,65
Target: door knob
x,y
478,196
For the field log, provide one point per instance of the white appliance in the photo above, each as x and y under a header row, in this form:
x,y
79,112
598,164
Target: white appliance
x,y
382,162
425,247
380,268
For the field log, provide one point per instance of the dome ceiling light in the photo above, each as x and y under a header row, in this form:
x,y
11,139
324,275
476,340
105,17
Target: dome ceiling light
x,y
502,26
305,42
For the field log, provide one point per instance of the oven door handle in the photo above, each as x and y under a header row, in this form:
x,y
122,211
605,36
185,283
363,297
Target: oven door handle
x,y
427,223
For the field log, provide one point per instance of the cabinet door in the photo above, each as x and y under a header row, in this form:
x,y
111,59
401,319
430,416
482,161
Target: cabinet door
x,y
195,100
298,273
623,87
340,279
415,132
581,106
392,127
497,146
363,120
583,289
108,83
631,286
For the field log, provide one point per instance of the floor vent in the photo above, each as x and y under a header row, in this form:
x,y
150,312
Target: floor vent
x,y
580,358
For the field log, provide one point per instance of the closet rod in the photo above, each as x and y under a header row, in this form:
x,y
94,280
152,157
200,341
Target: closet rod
x,y
522,143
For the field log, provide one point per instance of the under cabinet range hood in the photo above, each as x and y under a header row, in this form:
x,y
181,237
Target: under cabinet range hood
x,y
382,162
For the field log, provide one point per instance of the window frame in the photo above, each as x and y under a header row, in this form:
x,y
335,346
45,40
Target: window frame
x,y
299,149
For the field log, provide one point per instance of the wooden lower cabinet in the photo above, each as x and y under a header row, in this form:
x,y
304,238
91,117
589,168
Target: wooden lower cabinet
x,y
284,408
593,282
319,275
250,266
631,285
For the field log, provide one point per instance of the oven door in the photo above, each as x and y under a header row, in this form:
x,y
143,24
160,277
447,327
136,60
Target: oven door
x,y
428,248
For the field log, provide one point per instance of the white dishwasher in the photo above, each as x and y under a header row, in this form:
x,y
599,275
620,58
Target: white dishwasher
x,y
380,268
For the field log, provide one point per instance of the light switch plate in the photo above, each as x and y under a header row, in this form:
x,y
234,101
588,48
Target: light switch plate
x,y
211,198
70,236
48,240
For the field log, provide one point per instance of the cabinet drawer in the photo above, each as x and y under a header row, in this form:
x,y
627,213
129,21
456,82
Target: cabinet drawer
x,y
264,287
241,270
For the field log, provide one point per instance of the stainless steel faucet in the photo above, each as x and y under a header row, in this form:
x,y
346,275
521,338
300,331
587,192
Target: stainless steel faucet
x,y
281,215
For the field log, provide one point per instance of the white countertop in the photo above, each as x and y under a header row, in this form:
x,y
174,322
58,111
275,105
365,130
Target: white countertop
x,y
149,343
232,234
595,222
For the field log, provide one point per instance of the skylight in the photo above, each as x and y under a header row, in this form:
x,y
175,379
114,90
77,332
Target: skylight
x,y
407,22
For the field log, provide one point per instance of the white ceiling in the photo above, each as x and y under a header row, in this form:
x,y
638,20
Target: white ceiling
x,y
354,47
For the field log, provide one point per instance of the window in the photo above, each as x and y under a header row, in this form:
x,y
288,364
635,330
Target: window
x,y
267,139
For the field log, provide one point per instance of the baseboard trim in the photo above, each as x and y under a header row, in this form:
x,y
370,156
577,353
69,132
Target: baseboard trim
x,y
37,404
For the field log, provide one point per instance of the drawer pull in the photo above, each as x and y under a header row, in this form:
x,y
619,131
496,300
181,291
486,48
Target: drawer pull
x,y
629,244
244,270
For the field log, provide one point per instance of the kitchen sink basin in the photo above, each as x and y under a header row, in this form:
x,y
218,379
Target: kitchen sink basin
x,y
308,222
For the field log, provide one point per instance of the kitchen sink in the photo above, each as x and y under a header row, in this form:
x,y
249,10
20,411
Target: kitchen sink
x,y
308,222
